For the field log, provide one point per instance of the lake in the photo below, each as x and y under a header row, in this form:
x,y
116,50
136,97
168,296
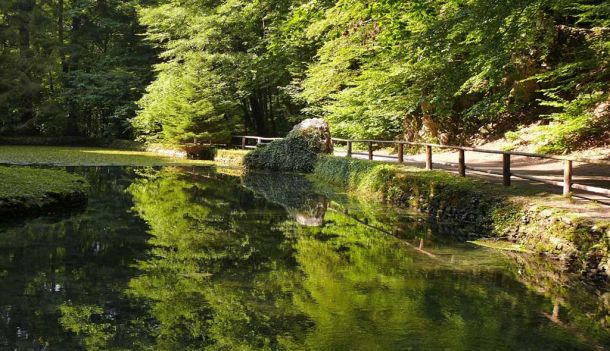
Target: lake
x,y
207,259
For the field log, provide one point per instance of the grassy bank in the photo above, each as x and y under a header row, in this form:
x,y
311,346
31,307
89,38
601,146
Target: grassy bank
x,y
526,218
25,191
479,210
87,156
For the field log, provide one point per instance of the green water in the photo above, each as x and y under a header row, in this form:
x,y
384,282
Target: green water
x,y
190,259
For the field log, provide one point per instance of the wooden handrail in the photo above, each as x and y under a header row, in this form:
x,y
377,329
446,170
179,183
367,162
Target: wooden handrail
x,y
474,149
506,174
255,137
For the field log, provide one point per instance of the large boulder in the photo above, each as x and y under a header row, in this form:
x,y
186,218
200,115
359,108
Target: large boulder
x,y
315,128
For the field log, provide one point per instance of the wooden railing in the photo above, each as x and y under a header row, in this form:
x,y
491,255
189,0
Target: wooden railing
x,y
567,184
257,141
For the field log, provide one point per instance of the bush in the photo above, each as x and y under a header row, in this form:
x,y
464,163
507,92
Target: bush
x,y
430,191
230,157
296,153
200,152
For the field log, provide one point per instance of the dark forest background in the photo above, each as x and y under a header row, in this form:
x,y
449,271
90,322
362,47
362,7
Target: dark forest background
x,y
453,71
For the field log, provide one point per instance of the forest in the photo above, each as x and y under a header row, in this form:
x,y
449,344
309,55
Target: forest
x,y
169,71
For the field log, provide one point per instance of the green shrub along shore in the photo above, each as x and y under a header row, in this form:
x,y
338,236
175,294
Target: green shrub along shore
x,y
230,157
479,210
27,191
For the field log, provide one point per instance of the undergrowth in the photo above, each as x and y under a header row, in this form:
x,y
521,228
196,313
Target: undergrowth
x,y
575,127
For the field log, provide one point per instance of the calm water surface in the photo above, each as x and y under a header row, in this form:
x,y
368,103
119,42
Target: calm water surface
x,y
192,259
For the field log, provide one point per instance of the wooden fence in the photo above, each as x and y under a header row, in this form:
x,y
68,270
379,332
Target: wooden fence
x,y
506,173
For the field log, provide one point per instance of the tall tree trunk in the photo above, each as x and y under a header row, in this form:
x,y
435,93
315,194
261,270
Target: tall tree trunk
x,y
25,8
60,35
247,120
257,114
271,112
72,64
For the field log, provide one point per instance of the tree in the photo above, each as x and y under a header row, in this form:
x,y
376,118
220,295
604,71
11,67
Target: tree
x,y
71,67
448,70
219,75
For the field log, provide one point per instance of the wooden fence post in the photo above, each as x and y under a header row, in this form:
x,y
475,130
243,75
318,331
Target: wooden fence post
x,y
243,142
349,148
428,157
370,150
567,177
258,141
506,169
462,163
401,153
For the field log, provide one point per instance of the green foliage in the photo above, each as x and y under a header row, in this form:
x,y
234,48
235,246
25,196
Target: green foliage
x,y
445,69
576,126
71,67
218,74
453,71
80,320
180,107
295,153
374,177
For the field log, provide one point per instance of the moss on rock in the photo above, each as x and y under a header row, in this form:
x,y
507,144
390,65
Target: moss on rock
x,y
26,191
295,153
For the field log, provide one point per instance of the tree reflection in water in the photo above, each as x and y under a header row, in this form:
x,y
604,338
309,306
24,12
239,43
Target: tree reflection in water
x,y
338,285
228,267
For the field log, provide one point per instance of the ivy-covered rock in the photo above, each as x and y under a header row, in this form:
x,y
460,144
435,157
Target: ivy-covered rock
x,y
298,152
318,128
